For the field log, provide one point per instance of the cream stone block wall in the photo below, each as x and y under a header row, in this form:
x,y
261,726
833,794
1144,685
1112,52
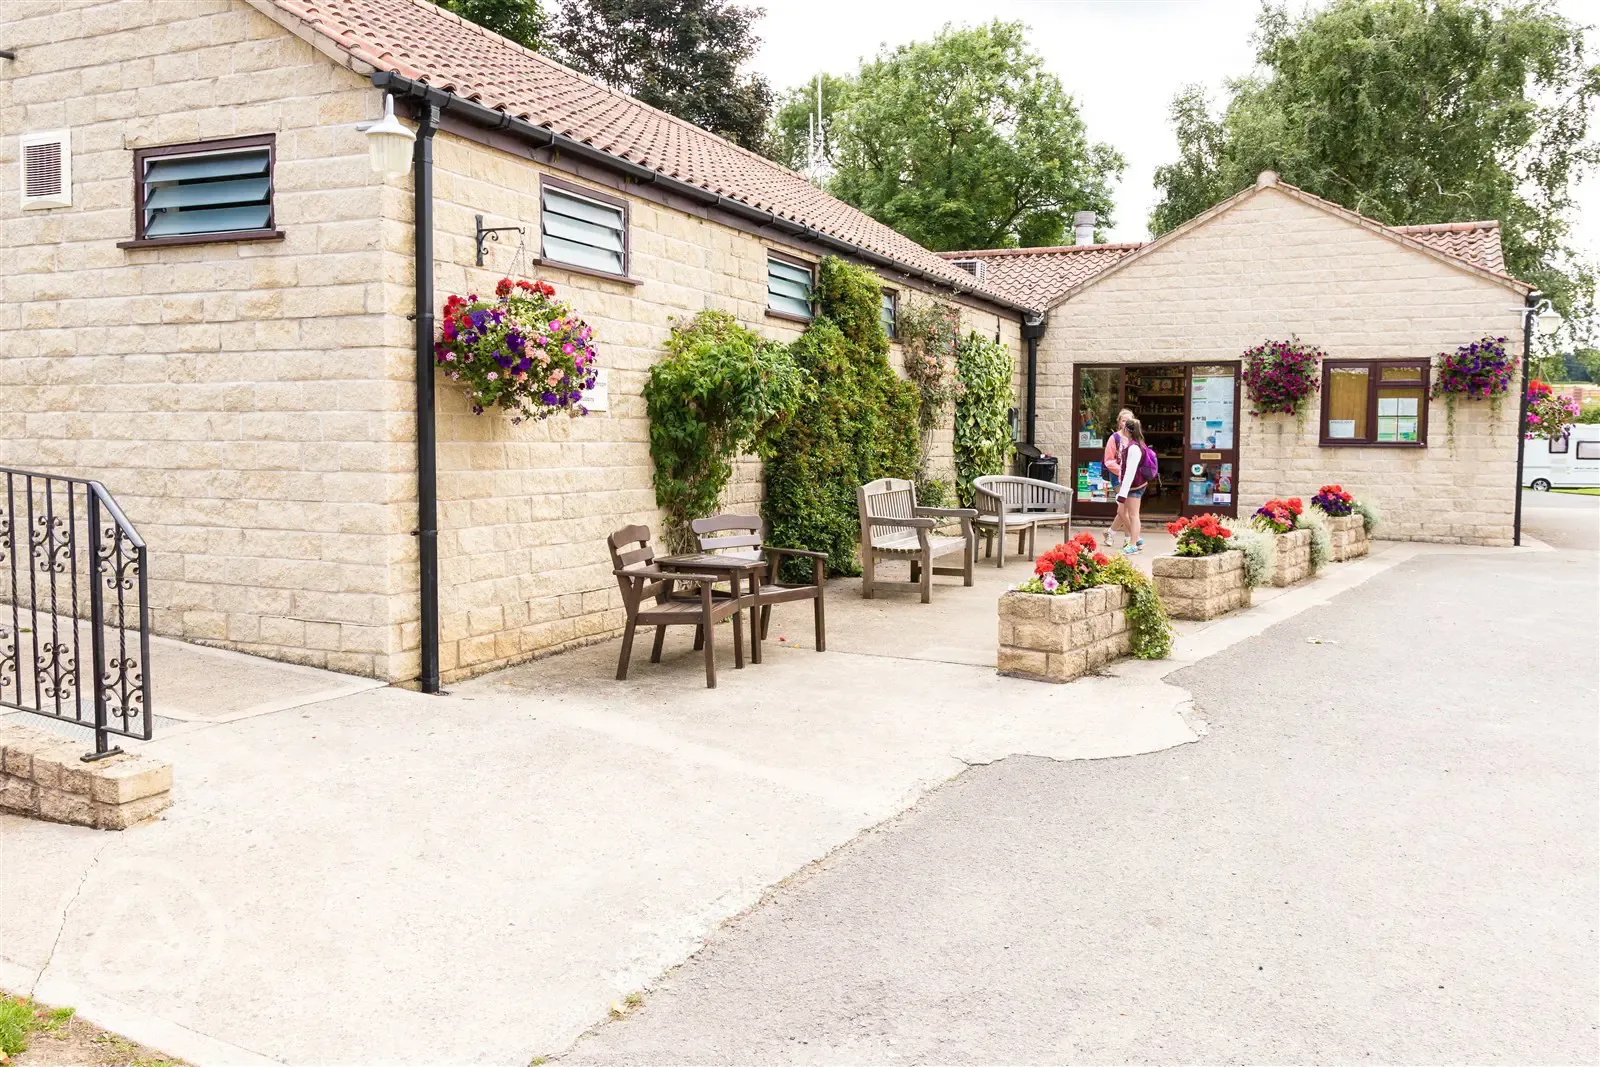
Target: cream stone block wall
x,y
246,403
1272,267
525,510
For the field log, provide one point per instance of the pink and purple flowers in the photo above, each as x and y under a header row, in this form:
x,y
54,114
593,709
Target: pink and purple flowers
x,y
1281,375
1550,415
1333,501
526,352
1480,370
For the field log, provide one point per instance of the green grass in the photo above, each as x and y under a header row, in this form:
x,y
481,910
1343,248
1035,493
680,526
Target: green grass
x,y
1591,491
16,1021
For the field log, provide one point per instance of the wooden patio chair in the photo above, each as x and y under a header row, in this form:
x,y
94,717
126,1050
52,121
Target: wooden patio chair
x,y
648,599
741,535
1008,504
893,526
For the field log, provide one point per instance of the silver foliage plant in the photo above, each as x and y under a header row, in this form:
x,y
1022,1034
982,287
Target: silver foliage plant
x,y
1260,555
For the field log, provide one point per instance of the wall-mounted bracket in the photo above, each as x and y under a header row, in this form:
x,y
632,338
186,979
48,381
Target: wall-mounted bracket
x,y
486,234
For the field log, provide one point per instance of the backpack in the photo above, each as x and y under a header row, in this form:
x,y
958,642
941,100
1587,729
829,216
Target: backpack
x,y
1148,468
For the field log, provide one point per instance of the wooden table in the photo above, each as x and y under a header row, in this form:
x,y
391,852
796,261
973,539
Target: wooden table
x,y
737,569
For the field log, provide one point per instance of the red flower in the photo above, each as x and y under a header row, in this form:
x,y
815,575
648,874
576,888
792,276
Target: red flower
x,y
1101,558
502,288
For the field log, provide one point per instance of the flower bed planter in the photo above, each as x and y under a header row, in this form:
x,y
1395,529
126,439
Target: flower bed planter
x,y
1057,638
1201,587
1348,537
1293,559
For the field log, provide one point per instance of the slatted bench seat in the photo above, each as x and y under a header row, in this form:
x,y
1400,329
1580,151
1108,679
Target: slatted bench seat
x,y
893,526
1009,504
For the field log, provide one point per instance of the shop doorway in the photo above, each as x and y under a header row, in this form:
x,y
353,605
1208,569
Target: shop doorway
x,y
1190,415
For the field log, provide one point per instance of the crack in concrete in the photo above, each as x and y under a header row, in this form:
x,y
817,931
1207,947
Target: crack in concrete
x,y
66,913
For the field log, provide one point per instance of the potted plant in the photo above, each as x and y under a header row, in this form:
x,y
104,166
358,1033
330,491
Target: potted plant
x,y
1281,376
1347,527
1481,370
1204,577
1278,519
1078,612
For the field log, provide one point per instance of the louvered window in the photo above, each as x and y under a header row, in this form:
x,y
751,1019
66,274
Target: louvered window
x,y
46,169
788,288
585,231
218,190
887,311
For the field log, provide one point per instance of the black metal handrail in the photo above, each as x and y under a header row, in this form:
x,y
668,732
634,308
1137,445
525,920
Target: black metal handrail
x,y
51,593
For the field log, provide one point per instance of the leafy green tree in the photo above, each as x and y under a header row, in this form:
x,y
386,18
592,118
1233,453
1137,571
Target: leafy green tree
x,y
523,21
964,141
682,56
1409,111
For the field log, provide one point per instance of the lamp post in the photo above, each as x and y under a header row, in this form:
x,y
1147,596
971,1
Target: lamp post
x,y
1534,308
392,150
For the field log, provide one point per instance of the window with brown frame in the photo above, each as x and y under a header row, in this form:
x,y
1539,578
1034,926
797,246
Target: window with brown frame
x,y
789,285
582,229
890,311
1375,402
204,191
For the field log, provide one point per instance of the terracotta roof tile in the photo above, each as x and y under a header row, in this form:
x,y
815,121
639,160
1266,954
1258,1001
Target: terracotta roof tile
x,y
423,43
1038,276
1476,242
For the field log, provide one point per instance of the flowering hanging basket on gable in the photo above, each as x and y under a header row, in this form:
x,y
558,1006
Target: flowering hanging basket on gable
x,y
526,352
1280,376
1480,370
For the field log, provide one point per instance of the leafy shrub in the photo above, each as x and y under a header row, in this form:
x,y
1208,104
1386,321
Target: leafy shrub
x,y
933,493
1260,554
1590,413
1202,535
983,408
718,393
1149,627
1370,515
858,423
1321,540
927,332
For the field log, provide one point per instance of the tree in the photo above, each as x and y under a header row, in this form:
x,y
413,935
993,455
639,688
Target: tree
x,y
1409,111
964,141
682,56
522,21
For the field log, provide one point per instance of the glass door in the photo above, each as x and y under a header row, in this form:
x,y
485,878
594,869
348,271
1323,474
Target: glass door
x,y
1098,395
1211,440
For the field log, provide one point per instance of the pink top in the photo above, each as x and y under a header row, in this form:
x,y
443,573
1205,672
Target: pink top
x,y
1114,443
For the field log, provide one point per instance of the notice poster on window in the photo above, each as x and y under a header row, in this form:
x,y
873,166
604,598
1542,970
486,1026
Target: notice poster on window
x,y
1397,418
1211,411
1341,428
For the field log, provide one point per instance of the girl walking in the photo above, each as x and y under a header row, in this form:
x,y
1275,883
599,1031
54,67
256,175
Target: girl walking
x,y
1131,484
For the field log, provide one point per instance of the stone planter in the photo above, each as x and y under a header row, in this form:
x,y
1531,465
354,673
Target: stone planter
x,y
1201,587
1293,560
1057,638
1348,534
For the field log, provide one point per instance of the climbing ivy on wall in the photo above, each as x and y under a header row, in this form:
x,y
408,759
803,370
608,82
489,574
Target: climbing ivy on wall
x,y
983,408
858,423
718,392
927,332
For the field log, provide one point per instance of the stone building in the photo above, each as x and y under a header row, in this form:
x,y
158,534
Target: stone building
x,y
1161,328
237,364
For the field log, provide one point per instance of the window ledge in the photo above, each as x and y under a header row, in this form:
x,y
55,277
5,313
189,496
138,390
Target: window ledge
x,y
771,314
203,239
1373,444
587,272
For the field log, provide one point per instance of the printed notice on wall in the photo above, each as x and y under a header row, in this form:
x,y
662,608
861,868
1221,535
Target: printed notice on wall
x,y
1211,411
598,396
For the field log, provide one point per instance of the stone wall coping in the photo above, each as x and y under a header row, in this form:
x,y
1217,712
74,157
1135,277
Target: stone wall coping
x,y
44,777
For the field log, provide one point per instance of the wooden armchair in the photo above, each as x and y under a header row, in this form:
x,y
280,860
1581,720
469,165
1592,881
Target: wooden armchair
x,y
1008,504
741,535
648,599
893,526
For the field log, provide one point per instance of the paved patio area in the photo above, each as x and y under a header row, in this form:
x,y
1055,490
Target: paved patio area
x,y
351,872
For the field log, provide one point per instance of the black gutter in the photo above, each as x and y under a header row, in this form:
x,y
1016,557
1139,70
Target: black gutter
x,y
1530,302
1031,332
427,447
492,119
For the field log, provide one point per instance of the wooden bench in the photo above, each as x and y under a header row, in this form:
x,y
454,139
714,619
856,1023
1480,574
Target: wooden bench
x,y
1006,503
894,527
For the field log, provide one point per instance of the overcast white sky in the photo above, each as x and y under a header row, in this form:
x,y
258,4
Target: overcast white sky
x,y
1121,59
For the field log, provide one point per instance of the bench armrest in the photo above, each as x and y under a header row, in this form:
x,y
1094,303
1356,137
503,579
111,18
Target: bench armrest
x,y
647,573
914,524
806,552
949,513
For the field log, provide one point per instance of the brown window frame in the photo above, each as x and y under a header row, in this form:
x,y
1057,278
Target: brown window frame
x,y
269,232
811,268
598,197
1374,369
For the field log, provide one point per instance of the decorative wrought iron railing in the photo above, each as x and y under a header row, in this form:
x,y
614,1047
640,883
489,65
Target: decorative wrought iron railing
x,y
73,581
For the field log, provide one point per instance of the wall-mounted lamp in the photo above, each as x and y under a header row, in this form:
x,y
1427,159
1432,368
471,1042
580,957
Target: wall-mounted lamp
x,y
389,143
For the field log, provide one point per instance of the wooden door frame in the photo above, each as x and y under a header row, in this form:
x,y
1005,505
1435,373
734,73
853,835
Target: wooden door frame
x,y
1192,455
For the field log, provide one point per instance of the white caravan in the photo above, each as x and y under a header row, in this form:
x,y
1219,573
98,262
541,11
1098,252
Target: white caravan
x,y
1570,463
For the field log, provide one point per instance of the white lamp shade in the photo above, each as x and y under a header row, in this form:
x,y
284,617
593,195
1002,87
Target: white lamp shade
x,y
1549,320
389,143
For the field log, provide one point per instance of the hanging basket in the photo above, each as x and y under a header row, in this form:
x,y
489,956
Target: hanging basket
x,y
524,352
1280,376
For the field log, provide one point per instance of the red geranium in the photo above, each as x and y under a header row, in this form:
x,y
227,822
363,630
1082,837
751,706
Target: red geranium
x,y
1073,565
1202,535
1277,516
1333,500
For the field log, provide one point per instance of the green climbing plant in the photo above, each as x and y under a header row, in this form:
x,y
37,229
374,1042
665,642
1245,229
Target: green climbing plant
x,y
983,406
857,423
928,331
721,390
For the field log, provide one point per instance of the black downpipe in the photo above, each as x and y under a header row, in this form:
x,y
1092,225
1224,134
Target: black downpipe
x,y
427,445
1031,332
1530,302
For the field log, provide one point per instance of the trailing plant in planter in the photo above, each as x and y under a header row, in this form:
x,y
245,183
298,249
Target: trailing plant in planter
x,y
983,408
1280,376
1200,535
1314,520
720,391
1277,516
1481,370
1371,517
1078,565
1549,414
1260,554
857,423
525,352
